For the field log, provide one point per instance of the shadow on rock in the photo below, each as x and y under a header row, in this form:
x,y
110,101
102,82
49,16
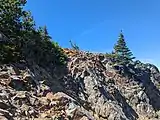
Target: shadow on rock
x,y
151,91
116,96
127,109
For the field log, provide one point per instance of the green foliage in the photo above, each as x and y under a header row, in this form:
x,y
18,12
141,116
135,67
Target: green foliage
x,y
42,50
25,41
8,53
74,46
13,18
62,58
110,55
122,52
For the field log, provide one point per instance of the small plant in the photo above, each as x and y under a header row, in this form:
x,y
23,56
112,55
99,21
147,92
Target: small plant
x,y
74,46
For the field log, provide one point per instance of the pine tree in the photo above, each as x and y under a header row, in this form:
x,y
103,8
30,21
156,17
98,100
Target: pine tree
x,y
124,55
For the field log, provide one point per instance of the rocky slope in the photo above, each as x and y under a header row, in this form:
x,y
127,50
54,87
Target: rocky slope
x,y
88,88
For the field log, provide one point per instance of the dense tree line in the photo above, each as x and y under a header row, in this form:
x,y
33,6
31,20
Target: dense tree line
x,y
25,40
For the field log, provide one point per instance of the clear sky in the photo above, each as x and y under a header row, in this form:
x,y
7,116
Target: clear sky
x,y
95,24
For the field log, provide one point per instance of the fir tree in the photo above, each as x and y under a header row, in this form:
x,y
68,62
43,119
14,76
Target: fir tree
x,y
124,55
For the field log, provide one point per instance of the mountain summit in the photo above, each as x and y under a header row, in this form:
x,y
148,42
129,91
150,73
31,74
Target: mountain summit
x,y
39,80
88,88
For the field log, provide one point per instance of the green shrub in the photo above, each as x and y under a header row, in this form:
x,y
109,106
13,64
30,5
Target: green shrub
x,y
8,54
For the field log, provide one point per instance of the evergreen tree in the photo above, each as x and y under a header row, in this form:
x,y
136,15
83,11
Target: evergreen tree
x,y
14,19
123,53
44,32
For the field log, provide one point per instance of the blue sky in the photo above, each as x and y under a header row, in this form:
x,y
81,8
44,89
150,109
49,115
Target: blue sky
x,y
95,24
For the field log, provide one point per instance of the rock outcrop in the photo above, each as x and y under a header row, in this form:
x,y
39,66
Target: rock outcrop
x,y
89,88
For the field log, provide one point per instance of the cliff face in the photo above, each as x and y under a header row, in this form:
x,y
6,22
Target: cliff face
x,y
89,88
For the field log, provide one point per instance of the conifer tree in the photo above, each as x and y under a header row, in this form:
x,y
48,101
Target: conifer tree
x,y
123,53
